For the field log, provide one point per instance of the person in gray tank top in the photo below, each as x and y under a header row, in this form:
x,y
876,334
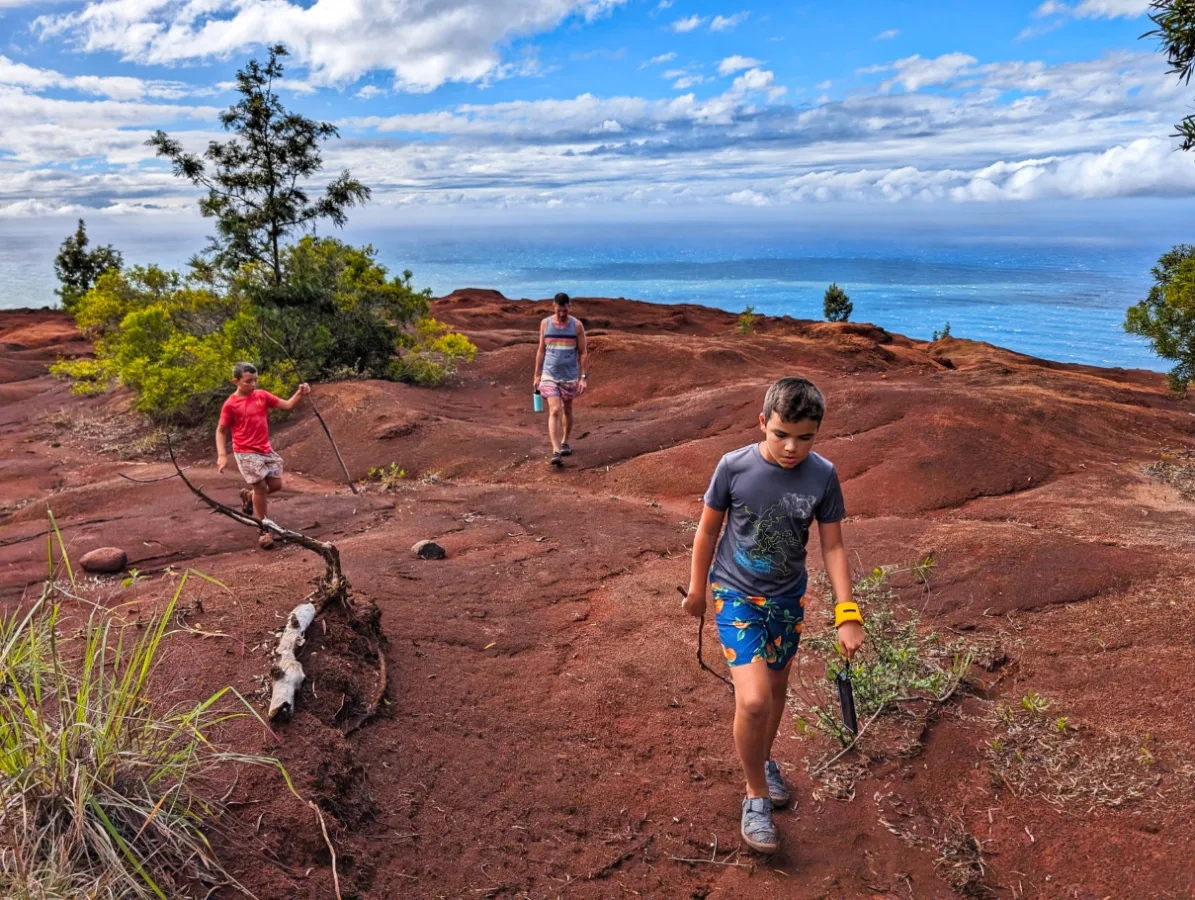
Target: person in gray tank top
x,y
561,373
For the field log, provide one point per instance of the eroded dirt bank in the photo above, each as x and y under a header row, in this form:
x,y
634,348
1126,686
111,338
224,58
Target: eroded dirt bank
x,y
547,731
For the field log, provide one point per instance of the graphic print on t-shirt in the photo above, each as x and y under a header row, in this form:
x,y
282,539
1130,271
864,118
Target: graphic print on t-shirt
x,y
783,527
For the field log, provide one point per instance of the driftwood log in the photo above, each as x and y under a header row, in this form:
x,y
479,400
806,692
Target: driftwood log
x,y
287,671
331,588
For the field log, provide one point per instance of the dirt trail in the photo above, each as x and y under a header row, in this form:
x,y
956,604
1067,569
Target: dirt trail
x,y
547,732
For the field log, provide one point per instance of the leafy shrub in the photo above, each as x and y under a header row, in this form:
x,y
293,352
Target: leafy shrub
x,y
78,268
434,354
1166,318
944,332
747,321
837,305
172,344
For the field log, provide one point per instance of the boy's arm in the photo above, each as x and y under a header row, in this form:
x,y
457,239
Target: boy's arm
x,y
539,355
846,610
704,545
302,391
221,447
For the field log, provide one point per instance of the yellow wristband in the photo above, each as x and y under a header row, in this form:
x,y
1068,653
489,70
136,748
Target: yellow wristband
x,y
846,612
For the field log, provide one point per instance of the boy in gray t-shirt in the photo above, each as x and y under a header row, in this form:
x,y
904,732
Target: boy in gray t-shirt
x,y
773,491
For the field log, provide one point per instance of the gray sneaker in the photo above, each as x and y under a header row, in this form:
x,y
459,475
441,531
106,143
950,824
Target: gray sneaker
x,y
758,830
777,789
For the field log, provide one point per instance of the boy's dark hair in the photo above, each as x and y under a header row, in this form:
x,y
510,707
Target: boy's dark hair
x,y
243,368
562,298
794,399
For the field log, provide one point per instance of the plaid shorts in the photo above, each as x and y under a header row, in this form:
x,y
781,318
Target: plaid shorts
x,y
565,390
256,466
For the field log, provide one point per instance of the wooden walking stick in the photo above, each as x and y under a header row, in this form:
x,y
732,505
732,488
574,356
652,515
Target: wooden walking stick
x,y
311,396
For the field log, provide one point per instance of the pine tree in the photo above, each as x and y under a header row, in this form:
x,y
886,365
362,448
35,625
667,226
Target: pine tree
x,y
77,267
837,304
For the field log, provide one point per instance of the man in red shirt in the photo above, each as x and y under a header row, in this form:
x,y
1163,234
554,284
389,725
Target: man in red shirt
x,y
246,414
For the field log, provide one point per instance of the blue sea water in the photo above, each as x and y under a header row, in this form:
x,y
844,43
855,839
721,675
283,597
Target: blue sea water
x,y
1061,298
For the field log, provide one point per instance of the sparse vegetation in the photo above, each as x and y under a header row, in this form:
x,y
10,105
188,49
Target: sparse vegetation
x,y
1037,754
898,663
746,324
390,477
943,332
105,787
837,305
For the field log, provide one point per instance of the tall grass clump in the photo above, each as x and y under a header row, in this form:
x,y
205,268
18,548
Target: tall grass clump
x,y
101,784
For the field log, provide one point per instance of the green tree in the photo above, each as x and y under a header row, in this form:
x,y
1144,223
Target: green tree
x,y
1166,318
78,268
1175,31
837,304
256,182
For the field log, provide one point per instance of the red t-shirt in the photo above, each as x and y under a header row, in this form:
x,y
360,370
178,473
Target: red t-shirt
x,y
248,417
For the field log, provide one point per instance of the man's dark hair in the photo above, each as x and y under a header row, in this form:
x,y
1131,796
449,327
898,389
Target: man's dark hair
x,y
794,399
562,299
243,368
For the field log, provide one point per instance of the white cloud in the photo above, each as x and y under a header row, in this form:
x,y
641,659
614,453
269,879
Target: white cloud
x,y
824,85
888,35
657,60
748,197
732,64
1094,9
728,23
687,81
663,5
369,92
117,87
914,73
691,23
450,40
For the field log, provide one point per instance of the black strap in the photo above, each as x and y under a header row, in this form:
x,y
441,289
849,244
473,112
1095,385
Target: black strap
x,y
700,660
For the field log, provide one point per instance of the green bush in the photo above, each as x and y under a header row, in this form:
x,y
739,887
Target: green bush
x,y
434,354
747,321
173,345
1166,318
837,305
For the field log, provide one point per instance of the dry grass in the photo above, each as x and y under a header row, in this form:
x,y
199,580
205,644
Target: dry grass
x,y
1038,754
106,790
1177,469
123,434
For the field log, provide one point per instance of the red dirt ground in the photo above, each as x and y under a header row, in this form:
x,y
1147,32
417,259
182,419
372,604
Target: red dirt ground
x,y
547,732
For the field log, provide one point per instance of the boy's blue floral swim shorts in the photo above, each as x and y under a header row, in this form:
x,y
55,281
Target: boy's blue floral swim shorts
x,y
751,628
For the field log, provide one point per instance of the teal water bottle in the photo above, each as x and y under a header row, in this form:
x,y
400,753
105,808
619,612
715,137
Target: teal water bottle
x,y
539,402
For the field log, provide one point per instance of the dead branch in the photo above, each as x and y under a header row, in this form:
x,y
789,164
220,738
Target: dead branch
x,y
287,671
148,480
376,700
324,425
333,587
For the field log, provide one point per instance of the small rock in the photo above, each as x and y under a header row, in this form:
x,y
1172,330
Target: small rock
x,y
105,559
428,550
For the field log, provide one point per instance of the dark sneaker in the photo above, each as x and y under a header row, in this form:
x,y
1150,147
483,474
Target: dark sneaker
x,y
558,460
777,789
566,450
247,501
758,829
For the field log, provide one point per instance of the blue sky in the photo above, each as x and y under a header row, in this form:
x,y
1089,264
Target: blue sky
x,y
635,106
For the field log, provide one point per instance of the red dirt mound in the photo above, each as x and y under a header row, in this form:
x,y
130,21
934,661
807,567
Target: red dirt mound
x,y
546,730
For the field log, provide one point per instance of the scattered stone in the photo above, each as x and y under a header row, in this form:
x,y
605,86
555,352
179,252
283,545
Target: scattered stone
x,y
428,550
104,560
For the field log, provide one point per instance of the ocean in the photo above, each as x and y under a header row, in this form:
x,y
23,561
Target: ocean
x,y
1058,297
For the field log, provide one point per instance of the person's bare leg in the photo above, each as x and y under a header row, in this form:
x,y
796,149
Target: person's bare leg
x,y
778,681
568,421
753,715
273,484
260,491
555,422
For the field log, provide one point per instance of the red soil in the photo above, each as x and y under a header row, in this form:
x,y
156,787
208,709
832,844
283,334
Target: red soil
x,y
547,731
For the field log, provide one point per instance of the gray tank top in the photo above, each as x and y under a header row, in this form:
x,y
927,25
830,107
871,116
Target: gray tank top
x,y
560,351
